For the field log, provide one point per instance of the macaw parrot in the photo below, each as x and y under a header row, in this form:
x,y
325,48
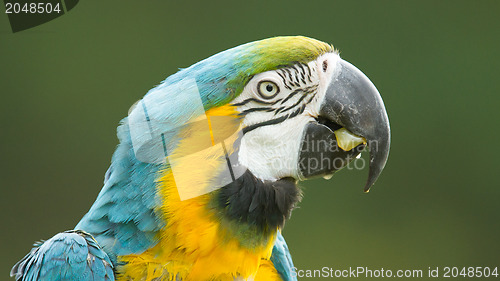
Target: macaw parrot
x,y
207,167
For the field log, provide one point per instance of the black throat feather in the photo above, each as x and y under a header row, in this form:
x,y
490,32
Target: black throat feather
x,y
264,204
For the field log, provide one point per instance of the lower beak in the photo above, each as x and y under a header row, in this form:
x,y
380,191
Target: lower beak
x,y
353,105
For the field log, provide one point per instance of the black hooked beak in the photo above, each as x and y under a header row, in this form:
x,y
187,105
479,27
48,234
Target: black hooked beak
x,y
353,103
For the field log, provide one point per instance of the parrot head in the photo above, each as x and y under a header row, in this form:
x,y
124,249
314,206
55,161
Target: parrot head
x,y
310,114
280,108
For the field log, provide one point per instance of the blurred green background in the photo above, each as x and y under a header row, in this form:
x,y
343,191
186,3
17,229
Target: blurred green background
x,y
66,84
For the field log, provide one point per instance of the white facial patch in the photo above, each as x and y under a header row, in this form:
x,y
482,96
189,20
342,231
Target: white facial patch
x,y
275,124
272,152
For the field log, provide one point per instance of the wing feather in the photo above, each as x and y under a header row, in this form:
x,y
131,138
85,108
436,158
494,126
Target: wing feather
x,y
282,259
70,255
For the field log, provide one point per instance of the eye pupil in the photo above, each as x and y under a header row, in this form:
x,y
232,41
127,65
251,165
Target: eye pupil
x,y
267,89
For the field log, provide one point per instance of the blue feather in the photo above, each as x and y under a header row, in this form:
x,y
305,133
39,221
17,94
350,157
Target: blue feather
x,y
282,259
70,255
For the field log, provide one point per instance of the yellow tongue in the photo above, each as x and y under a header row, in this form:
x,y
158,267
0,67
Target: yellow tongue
x,y
347,140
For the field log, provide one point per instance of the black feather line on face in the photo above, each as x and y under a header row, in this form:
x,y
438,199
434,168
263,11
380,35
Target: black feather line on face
x,y
291,95
256,109
257,101
297,74
309,73
265,204
265,123
302,73
280,73
296,103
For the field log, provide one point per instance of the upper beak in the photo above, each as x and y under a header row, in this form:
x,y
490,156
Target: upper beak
x,y
353,102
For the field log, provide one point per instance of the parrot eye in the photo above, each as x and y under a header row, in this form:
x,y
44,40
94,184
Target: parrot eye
x,y
268,89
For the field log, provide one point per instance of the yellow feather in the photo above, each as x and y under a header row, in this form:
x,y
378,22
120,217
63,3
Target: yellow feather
x,y
194,246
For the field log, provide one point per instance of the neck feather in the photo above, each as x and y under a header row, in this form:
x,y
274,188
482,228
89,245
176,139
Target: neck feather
x,y
264,204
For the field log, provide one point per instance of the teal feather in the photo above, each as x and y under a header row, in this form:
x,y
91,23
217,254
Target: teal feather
x,y
70,255
282,259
